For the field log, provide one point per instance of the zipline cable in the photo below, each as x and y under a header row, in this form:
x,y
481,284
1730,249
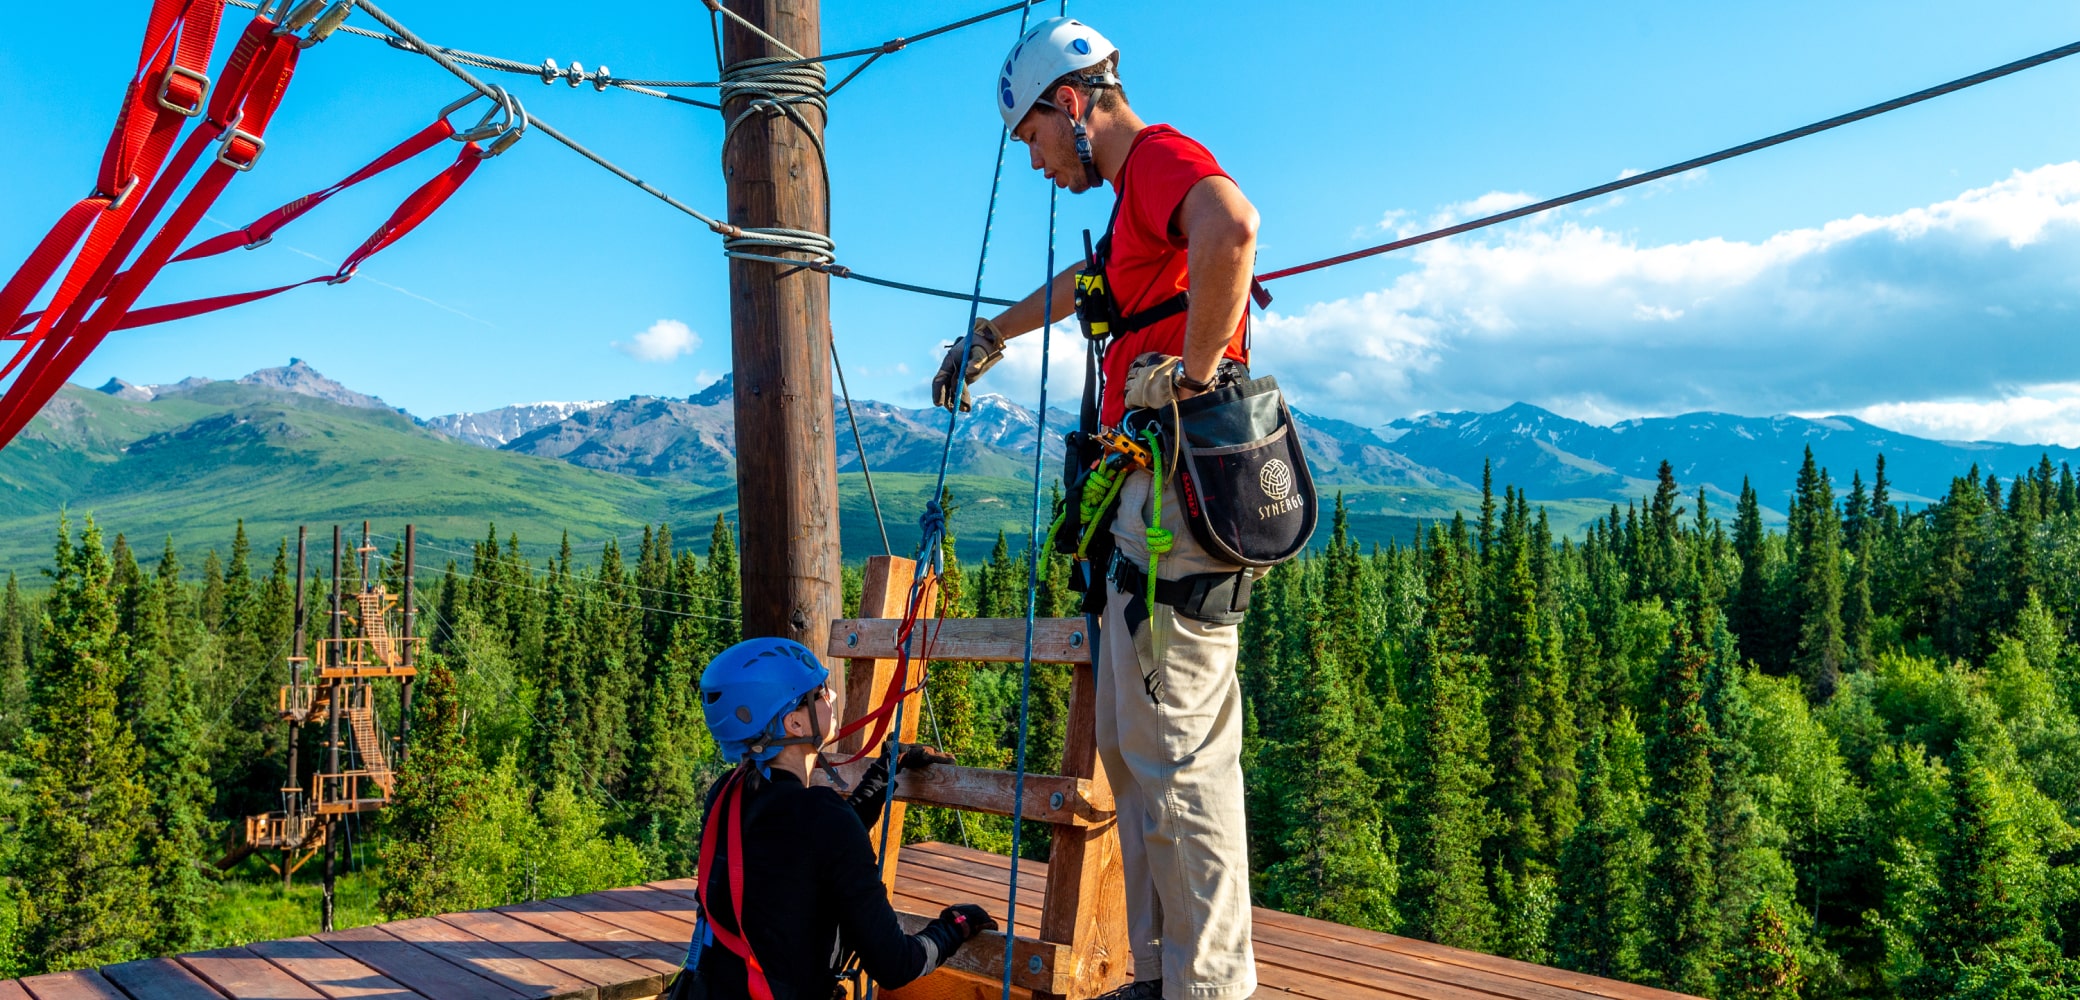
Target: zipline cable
x,y
1687,165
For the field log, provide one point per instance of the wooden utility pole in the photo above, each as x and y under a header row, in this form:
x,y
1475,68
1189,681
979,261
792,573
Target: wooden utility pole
x,y
404,696
325,902
787,478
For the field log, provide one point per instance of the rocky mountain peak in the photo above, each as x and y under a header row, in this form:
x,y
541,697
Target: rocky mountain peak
x,y
302,379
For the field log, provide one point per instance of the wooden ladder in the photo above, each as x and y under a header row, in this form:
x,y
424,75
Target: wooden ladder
x,y
369,743
1082,948
374,629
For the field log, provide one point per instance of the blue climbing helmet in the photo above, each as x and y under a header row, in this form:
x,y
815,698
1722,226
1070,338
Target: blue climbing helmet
x,y
748,688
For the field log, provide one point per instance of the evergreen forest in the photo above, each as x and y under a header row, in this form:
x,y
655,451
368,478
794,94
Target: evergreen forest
x,y
1684,749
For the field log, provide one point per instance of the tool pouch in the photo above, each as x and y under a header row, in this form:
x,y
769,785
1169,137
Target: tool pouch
x,y
1247,492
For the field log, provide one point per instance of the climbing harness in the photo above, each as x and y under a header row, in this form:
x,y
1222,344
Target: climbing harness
x,y
729,805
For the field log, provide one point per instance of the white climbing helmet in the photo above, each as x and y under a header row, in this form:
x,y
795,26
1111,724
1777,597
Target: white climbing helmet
x,y
1053,49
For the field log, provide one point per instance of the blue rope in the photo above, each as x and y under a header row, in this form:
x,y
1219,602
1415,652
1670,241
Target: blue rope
x,y
1033,557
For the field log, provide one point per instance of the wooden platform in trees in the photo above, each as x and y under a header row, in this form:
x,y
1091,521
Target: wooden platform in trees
x,y
626,944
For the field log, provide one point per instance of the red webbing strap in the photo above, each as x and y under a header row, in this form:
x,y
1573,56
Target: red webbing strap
x,y
144,131
263,229
729,804
893,696
255,79
415,210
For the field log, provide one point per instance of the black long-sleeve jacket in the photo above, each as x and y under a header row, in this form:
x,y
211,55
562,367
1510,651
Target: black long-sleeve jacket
x,y
811,891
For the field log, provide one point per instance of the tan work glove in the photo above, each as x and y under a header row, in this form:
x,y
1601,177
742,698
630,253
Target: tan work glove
x,y
1152,382
988,349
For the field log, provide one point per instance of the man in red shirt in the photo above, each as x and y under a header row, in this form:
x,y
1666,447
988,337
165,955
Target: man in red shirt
x,y
1170,711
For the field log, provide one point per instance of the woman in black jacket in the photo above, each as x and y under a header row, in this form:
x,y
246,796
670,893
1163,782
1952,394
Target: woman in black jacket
x,y
790,888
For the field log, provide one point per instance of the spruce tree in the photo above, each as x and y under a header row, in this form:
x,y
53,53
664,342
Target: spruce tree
x,y
1336,864
14,667
1678,952
178,849
1603,867
1763,965
426,844
1823,649
1444,886
88,888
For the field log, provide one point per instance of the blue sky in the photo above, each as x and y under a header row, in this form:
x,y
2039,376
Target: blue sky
x,y
1918,269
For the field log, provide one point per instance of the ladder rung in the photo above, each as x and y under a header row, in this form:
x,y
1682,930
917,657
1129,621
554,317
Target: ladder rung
x,y
1049,798
988,640
984,956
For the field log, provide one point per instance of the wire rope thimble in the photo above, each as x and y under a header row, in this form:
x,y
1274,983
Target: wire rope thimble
x,y
576,77
550,71
328,23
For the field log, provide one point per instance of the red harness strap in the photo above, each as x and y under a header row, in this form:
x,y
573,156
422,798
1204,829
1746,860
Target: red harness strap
x,y
883,713
169,88
729,804
254,80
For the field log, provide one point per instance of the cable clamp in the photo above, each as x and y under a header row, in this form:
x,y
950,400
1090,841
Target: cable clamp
x,y
201,81
601,79
550,71
576,76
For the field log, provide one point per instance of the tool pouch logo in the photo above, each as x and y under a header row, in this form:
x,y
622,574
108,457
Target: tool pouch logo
x,y
1247,493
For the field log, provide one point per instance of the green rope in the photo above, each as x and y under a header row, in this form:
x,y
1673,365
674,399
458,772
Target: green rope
x,y
1160,541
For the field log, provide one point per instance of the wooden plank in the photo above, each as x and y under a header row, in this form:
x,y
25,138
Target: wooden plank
x,y
655,926
964,860
989,640
1086,903
952,984
502,965
620,942
885,587
984,956
329,972
12,990
76,984
413,966
984,790
158,979
242,975
615,978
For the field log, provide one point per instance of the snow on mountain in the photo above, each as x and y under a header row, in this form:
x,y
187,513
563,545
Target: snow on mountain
x,y
499,427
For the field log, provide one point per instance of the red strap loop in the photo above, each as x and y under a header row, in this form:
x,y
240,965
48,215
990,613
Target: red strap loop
x,y
729,805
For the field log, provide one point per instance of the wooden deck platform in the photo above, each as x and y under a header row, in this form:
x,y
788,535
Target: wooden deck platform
x,y
626,944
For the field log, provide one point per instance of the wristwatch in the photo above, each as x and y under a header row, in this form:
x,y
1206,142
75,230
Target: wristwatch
x,y
1189,382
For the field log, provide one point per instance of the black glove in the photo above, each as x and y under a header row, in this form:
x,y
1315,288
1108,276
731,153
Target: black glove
x,y
914,757
956,926
968,918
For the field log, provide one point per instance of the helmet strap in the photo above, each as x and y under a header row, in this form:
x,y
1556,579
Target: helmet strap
x,y
1081,129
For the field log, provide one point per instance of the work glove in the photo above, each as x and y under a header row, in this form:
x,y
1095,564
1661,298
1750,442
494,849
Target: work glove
x,y
874,783
1152,382
956,926
913,757
950,386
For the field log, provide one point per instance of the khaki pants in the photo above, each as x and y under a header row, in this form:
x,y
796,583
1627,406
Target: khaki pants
x,y
1170,734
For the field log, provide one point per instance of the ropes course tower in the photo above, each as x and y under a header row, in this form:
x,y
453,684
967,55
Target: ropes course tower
x,y
370,640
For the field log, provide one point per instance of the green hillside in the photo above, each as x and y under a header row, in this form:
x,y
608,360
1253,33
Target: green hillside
x,y
190,465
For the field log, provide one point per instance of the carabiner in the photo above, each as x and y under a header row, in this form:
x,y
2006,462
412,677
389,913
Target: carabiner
x,y
489,125
516,118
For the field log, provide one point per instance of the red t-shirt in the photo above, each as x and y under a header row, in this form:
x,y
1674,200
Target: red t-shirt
x,y
1147,265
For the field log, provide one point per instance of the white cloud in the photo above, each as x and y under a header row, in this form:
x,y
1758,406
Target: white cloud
x,y
2039,414
1963,300
666,339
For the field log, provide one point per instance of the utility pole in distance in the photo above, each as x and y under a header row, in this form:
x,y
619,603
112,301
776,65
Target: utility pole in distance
x,y
787,479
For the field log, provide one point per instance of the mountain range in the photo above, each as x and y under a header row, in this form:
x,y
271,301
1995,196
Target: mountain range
x,y
1549,456
287,445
